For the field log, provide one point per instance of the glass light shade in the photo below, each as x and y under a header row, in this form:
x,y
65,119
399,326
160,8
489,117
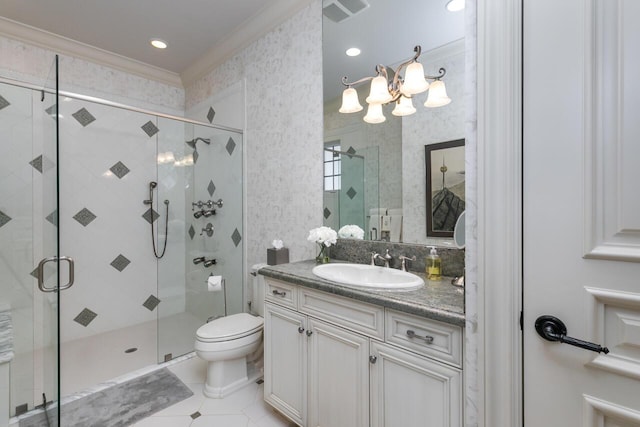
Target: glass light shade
x,y
404,107
379,93
437,95
350,101
374,114
455,5
414,81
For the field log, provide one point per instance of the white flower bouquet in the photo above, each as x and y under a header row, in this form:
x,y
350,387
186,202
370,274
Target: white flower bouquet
x,y
351,232
324,237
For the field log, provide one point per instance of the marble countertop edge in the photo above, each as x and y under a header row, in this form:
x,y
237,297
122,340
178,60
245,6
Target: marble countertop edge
x,y
438,301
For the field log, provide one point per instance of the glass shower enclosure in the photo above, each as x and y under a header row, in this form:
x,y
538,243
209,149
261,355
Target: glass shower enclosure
x,y
88,179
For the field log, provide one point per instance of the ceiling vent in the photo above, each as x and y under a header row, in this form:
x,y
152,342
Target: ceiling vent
x,y
339,10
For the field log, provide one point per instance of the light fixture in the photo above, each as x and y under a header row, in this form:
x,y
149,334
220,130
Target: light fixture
x,y
158,43
455,5
353,51
384,90
437,95
404,107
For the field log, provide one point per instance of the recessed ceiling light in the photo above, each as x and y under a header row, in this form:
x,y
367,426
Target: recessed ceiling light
x,y
353,51
158,43
455,5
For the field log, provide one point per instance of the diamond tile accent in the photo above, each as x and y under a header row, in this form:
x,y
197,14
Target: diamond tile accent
x,y
53,218
150,129
351,150
211,114
3,103
211,188
150,215
4,218
120,263
85,317
327,213
351,193
195,156
236,237
192,232
51,111
41,163
22,409
151,303
84,217
119,170
231,145
84,117
196,415
37,163
34,273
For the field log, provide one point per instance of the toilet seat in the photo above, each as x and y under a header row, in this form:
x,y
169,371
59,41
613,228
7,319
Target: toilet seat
x,y
229,328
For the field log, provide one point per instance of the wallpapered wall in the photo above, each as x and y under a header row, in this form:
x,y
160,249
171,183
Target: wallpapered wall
x,y
282,74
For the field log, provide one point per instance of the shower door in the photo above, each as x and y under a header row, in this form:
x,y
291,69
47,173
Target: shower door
x,y
47,248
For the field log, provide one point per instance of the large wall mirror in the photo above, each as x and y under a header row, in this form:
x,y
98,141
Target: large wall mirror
x,y
375,174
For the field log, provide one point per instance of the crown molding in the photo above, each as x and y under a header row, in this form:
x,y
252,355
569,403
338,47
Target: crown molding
x,y
277,12
62,45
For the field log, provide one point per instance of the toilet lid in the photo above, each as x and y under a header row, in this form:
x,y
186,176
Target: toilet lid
x,y
230,327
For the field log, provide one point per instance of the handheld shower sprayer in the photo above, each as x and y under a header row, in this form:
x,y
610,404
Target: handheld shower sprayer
x,y
149,202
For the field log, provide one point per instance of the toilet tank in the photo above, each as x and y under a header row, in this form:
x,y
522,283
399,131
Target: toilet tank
x,y
257,290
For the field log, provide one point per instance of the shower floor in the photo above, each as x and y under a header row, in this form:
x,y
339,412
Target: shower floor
x,y
92,360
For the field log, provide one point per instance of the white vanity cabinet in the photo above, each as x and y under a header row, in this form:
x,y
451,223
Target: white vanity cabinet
x,y
332,361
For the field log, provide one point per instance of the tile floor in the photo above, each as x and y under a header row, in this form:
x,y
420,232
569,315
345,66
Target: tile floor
x,y
244,408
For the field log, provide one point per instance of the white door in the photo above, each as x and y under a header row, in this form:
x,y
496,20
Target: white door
x,y
581,152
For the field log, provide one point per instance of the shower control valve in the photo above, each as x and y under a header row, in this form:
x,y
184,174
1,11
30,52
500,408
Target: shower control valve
x,y
208,229
198,260
210,262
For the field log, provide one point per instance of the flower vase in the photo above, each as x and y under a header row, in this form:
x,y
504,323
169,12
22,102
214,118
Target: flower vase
x,y
323,254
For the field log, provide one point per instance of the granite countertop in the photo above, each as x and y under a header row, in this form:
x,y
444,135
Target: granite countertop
x,y
436,300
6,336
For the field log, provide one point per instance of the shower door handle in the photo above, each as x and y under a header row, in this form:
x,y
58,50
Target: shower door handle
x,y
40,273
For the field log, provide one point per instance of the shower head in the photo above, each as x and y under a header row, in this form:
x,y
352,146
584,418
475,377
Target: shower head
x,y
192,143
153,185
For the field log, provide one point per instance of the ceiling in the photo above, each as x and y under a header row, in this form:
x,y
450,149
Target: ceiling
x,y
124,27
198,30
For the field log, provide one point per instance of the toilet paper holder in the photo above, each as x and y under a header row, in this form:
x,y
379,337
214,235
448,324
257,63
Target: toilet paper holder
x,y
223,284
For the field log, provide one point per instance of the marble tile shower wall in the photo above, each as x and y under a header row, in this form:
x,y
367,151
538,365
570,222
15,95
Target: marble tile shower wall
x,y
217,175
107,160
28,63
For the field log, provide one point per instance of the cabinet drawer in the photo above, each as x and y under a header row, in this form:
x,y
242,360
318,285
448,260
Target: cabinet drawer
x,y
429,337
281,293
357,316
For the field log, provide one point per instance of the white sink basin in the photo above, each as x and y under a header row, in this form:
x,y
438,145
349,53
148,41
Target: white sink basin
x,y
368,276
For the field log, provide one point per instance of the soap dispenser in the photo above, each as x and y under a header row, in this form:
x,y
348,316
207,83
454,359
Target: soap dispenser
x,y
434,265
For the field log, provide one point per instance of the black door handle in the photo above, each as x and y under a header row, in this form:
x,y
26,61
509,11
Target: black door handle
x,y
553,329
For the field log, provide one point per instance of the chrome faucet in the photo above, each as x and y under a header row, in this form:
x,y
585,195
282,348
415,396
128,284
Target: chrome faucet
x,y
198,260
403,258
386,258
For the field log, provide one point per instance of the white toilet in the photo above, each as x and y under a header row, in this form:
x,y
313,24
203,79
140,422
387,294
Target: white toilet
x,y
228,343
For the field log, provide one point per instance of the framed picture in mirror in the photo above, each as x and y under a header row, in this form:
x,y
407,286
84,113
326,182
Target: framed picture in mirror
x,y
445,181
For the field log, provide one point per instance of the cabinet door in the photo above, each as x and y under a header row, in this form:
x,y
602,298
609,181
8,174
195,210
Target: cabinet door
x,y
338,377
285,355
409,390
